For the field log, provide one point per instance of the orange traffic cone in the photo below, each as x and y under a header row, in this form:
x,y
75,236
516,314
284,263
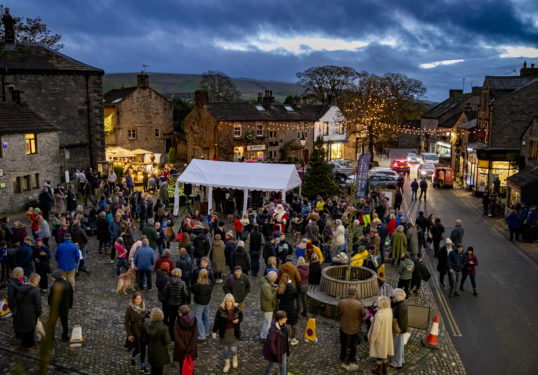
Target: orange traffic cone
x,y
432,340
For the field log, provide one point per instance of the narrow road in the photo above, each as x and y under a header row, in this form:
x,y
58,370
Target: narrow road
x,y
494,333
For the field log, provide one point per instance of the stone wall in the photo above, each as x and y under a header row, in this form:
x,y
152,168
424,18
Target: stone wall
x,y
15,163
531,134
511,115
199,129
144,110
63,99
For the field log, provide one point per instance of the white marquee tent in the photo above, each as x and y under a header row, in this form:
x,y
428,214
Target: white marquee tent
x,y
244,176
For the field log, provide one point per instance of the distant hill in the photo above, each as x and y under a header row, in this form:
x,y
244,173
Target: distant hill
x,y
184,85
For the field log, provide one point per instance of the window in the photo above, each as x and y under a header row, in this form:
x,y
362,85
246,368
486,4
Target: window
x,y
34,181
288,108
31,143
341,128
237,130
533,150
25,183
272,134
157,133
259,130
131,133
260,108
325,128
17,185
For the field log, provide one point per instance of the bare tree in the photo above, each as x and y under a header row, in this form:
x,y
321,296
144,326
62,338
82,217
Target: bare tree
x,y
219,87
329,80
33,30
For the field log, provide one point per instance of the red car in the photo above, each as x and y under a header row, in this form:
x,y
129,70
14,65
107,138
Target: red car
x,y
400,166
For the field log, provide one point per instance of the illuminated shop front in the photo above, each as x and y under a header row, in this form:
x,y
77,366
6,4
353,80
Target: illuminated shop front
x,y
493,163
523,187
334,150
443,149
255,152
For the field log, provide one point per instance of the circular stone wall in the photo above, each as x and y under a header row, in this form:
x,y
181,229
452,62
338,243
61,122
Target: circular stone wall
x,y
334,284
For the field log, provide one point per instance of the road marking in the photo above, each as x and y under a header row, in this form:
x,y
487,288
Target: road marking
x,y
455,331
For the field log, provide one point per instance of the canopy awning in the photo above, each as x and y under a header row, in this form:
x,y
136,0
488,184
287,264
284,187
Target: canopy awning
x,y
141,151
120,152
251,176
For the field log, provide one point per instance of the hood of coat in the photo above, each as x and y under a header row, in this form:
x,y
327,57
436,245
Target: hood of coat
x,y
175,280
187,322
153,327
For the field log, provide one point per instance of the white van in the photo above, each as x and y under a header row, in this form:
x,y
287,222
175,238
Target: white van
x,y
430,158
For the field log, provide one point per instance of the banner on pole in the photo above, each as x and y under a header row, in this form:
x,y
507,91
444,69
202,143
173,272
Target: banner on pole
x,y
361,176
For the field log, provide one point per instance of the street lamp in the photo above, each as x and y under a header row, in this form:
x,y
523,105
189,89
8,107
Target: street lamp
x,y
302,141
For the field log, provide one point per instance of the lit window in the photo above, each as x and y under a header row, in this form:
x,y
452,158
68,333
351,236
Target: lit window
x,y
31,143
259,130
131,133
237,130
341,128
533,150
157,133
325,128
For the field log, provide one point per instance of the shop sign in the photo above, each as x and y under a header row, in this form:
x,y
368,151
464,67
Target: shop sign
x,y
256,148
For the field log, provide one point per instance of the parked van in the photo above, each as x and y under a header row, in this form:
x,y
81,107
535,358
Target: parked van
x,y
430,158
443,177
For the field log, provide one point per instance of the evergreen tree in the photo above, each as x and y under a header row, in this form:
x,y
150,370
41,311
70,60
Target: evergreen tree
x,y
319,176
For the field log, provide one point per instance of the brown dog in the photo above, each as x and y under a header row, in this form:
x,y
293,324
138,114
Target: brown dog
x,y
126,281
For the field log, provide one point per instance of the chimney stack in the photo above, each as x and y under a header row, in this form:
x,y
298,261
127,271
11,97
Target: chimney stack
x,y
528,72
201,98
142,80
268,99
454,93
331,99
9,30
476,91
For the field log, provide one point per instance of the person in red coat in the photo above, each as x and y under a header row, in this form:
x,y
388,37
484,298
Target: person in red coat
x,y
391,225
185,336
238,227
164,259
276,348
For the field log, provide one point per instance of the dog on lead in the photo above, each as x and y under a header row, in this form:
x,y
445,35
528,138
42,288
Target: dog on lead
x,y
126,281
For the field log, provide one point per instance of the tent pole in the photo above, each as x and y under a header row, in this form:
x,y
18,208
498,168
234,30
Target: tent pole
x,y
283,195
245,201
300,189
209,198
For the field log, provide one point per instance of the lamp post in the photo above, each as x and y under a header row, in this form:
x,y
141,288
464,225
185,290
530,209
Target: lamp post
x,y
302,141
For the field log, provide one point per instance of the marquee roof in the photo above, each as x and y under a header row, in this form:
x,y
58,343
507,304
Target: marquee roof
x,y
252,176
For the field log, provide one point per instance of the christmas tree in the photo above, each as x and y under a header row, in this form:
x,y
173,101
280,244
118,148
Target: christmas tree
x,y
319,175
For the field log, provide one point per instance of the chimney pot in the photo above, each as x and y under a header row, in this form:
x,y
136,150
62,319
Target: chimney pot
x,y
9,29
453,93
524,64
532,66
142,80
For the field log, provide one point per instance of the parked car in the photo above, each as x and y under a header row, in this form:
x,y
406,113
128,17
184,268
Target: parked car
x,y
425,170
430,158
383,172
413,158
400,166
443,177
381,182
342,169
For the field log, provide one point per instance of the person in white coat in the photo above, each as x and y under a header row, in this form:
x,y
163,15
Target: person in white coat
x,y
380,335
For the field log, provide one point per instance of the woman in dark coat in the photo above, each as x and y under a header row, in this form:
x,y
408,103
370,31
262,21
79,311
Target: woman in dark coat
x,y
185,332
241,258
314,273
442,266
41,257
287,301
228,324
276,348
27,310
71,198
134,326
103,236
158,338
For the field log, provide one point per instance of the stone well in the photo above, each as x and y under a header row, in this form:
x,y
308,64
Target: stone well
x,y
334,284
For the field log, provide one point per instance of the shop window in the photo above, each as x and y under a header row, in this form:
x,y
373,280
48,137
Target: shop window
x,y
31,143
237,130
325,128
131,133
157,133
533,150
259,130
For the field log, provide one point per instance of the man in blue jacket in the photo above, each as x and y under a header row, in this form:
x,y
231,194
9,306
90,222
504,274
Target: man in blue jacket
x,y
456,262
144,260
23,257
67,255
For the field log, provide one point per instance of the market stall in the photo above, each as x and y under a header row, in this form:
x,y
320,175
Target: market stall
x,y
244,176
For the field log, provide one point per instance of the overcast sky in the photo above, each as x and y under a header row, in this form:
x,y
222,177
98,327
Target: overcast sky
x,y
438,42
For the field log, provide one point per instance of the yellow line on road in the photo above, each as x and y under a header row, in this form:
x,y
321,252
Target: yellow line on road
x,y
437,289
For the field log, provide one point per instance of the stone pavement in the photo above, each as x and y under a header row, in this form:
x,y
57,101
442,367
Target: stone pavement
x,y
100,311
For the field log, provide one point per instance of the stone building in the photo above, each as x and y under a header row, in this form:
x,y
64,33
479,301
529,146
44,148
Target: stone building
x,y
138,117
61,90
29,155
262,131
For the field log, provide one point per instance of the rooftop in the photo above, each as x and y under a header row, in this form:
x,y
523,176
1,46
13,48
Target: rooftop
x,y
526,176
15,119
449,104
34,57
116,95
245,111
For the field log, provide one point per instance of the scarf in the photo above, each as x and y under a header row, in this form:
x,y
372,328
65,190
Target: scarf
x,y
138,309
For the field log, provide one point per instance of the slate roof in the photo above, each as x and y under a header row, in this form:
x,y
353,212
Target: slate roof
x,y
525,177
16,119
451,121
245,111
32,57
115,95
449,104
500,86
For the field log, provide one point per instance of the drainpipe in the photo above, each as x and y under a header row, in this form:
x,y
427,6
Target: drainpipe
x,y
90,143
